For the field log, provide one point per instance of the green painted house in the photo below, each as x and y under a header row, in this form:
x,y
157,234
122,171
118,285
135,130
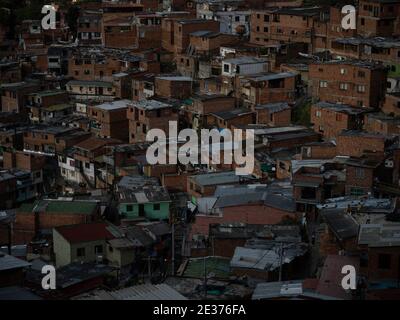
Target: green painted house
x,y
141,197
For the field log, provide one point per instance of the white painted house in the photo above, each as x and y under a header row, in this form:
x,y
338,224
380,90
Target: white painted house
x,y
243,66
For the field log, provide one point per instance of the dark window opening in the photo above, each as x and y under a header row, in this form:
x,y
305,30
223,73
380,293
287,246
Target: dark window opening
x,y
308,193
80,252
384,261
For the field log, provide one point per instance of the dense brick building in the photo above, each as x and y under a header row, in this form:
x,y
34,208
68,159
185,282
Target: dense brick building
x,y
120,32
109,119
356,83
267,88
178,87
200,106
230,118
207,42
148,114
316,181
318,150
355,143
385,50
378,18
176,32
381,123
143,86
334,28
89,27
38,102
274,114
360,174
84,90
48,140
47,214
13,95
330,119
381,250
23,161
307,25
391,104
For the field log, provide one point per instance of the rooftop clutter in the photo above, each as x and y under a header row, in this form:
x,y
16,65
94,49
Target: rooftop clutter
x,y
77,189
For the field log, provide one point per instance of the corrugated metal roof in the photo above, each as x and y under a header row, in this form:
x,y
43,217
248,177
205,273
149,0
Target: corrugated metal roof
x,y
271,290
269,259
8,262
379,235
234,200
148,292
140,292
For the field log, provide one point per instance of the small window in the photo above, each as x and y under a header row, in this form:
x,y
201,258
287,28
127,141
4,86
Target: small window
x,y
356,192
265,29
384,261
156,206
343,86
361,74
361,88
318,113
87,165
323,84
343,71
266,18
360,173
98,249
237,18
80,252
226,67
129,207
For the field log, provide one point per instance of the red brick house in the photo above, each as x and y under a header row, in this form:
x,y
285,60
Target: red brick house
x,y
356,83
330,119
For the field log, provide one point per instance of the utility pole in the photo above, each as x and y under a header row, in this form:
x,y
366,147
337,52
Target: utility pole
x,y
173,246
280,261
149,267
205,278
10,236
